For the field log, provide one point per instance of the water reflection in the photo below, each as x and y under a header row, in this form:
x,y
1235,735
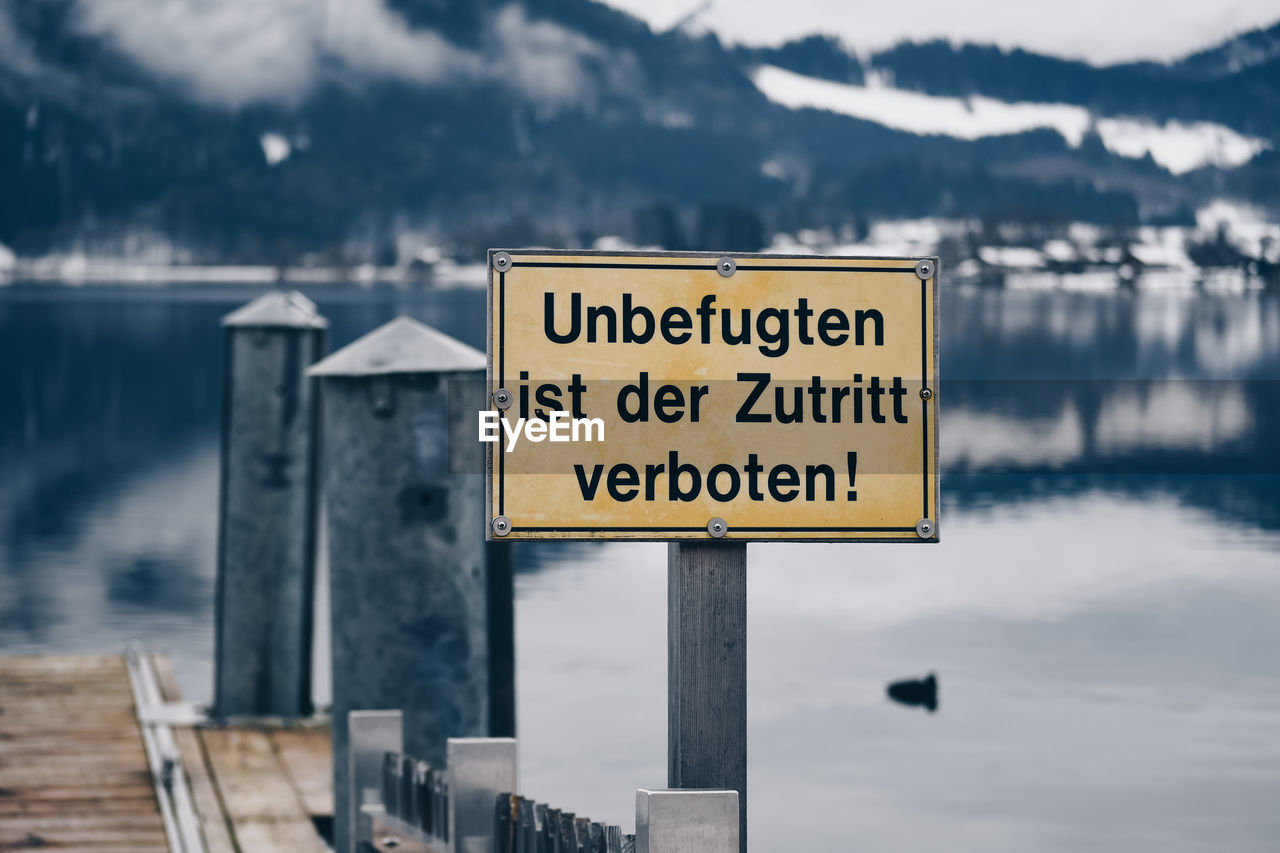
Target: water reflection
x,y
989,334
156,581
1106,659
1103,603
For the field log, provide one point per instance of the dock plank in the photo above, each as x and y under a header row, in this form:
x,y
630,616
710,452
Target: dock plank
x,y
49,666
166,678
213,822
263,807
68,761
99,837
117,802
74,773
43,825
122,741
69,792
214,825
72,760
97,847
307,756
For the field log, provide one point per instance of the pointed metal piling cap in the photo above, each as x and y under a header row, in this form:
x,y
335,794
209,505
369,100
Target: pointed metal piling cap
x,y
402,346
277,310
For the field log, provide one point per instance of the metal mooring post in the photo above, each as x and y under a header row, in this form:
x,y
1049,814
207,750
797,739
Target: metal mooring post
x,y
707,669
479,770
267,508
687,821
407,562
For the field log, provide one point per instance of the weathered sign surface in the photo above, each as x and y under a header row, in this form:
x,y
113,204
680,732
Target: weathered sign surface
x,y
690,396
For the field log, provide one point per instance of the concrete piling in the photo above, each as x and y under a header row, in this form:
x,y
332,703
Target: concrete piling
x,y
408,580
267,509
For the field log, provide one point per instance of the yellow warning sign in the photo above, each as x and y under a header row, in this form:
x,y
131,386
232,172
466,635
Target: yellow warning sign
x,y
697,396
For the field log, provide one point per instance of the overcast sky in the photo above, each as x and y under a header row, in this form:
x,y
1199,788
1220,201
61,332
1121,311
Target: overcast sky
x,y
235,52
1100,31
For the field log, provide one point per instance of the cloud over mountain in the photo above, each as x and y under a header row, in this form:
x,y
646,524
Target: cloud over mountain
x,y
233,53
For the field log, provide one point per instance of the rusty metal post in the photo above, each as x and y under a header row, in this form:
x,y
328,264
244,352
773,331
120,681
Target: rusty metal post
x,y
407,567
267,508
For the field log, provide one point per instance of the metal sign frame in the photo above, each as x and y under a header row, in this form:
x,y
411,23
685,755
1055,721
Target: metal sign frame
x,y
923,270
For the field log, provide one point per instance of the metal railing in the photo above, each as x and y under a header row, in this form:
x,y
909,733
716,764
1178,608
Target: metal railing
x,y
521,825
468,806
416,796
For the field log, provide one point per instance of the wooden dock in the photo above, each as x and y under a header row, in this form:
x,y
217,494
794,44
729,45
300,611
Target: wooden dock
x,y
74,774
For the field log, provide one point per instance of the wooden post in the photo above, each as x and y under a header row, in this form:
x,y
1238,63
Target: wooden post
x,y
500,558
267,508
707,669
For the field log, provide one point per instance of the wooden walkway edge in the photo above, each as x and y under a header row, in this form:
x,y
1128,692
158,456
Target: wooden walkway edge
x,y
74,773
73,768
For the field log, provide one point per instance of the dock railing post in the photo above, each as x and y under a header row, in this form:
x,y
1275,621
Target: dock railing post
x,y
707,669
267,508
372,735
479,770
686,821
407,561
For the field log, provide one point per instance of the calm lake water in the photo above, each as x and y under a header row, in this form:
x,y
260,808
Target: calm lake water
x,y
1103,614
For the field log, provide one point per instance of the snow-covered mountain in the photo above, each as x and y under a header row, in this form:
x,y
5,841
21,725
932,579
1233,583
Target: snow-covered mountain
x,y
1178,147
268,130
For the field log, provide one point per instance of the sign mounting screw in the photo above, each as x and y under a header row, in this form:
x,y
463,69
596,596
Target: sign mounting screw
x,y
924,269
726,266
717,527
501,525
502,399
924,528
501,261
926,393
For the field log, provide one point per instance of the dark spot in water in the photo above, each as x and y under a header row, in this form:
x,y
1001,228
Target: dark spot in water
x,y
921,692
161,582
